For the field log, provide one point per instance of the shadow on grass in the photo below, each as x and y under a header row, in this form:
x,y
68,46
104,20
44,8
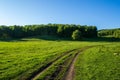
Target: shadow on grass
x,y
12,40
56,38
36,38
102,39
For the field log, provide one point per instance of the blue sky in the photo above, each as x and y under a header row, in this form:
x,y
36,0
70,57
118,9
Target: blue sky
x,y
101,13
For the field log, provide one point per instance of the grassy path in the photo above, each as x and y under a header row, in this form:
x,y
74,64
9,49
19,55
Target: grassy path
x,y
70,73
35,75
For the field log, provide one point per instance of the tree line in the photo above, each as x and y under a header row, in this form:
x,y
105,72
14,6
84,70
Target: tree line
x,y
109,32
60,30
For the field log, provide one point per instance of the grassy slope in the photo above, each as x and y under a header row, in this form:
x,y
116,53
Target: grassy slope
x,y
24,57
99,63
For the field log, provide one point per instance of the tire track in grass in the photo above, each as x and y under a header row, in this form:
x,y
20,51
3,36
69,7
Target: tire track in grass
x,y
70,71
56,70
37,73
69,75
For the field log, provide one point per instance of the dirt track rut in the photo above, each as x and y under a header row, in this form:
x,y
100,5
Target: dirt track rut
x,y
69,75
35,75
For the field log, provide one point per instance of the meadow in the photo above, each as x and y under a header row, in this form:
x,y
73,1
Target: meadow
x,y
99,63
23,59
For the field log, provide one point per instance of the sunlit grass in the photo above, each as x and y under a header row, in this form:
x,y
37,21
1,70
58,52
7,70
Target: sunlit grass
x,y
20,58
99,63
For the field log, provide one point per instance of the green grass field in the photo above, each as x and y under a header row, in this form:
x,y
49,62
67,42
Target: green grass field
x,y
21,58
99,63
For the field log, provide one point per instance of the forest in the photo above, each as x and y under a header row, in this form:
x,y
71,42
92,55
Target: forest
x,y
60,30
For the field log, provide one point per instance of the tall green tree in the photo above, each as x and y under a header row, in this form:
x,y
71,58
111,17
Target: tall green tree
x,y
117,34
76,35
60,30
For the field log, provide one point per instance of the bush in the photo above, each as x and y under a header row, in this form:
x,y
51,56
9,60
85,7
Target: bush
x,y
117,34
76,35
